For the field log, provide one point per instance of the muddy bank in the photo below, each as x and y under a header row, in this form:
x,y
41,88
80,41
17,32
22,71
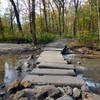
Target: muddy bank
x,y
26,90
18,71
8,48
82,48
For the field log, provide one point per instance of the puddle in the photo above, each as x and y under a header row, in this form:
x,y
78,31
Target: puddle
x,y
91,74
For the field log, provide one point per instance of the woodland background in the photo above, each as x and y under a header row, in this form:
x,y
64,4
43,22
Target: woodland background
x,y
41,21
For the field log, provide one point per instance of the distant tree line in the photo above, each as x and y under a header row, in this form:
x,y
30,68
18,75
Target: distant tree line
x,y
51,16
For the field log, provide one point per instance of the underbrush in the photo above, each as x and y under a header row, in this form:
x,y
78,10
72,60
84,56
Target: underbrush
x,y
86,39
83,39
20,37
45,38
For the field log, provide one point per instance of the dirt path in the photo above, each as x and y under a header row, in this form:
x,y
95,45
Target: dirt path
x,y
11,48
59,43
7,48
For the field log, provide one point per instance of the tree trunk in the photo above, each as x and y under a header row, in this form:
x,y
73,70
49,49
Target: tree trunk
x,y
53,16
30,15
90,21
75,16
45,14
98,6
40,19
49,17
74,26
33,23
17,15
59,10
52,23
63,15
11,20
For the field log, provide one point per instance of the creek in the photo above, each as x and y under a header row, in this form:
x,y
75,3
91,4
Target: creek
x,y
91,66
91,69
7,67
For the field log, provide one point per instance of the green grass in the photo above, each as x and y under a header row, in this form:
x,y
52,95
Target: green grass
x,y
45,38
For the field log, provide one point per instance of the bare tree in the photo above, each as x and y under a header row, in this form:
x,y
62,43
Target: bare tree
x,y
17,15
33,23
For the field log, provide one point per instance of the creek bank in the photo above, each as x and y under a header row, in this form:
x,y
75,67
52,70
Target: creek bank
x,y
80,48
11,48
90,59
26,90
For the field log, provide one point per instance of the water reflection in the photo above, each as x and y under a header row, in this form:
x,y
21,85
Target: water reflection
x,y
71,56
11,74
90,82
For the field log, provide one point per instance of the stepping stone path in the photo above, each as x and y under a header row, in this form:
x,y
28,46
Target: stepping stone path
x,y
56,72
53,69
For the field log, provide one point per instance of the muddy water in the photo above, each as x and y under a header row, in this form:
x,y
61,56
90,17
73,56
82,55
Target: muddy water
x,y
92,73
7,72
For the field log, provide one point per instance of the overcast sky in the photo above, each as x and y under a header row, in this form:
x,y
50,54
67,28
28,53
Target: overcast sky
x,y
3,6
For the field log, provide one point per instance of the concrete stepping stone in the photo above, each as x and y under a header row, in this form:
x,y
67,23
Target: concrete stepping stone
x,y
56,65
56,72
52,49
56,58
51,60
55,80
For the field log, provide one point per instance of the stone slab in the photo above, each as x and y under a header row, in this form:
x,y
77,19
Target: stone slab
x,y
52,49
50,60
51,53
65,98
56,72
56,65
55,80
